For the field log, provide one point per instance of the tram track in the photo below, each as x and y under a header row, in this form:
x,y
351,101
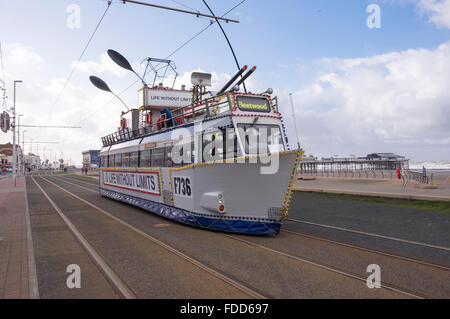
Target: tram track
x,y
111,275
320,238
369,234
321,265
441,267
104,267
327,267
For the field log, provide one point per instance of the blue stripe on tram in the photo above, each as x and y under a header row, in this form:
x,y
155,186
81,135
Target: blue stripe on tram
x,y
195,220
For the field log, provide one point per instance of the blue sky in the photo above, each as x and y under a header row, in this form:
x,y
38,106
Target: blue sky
x,y
295,44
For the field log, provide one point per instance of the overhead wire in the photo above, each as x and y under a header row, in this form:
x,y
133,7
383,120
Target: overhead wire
x,y
5,95
170,55
81,56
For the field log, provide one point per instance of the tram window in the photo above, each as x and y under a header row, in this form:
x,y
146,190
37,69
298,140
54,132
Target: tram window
x,y
145,159
110,160
158,157
168,156
232,149
126,160
118,160
261,139
213,146
134,159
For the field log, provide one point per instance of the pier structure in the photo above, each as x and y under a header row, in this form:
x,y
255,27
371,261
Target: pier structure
x,y
375,161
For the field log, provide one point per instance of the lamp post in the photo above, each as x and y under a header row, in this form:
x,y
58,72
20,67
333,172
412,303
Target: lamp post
x,y
19,161
23,151
14,133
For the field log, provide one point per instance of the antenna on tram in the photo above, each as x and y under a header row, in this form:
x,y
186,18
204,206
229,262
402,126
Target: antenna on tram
x,y
101,85
121,61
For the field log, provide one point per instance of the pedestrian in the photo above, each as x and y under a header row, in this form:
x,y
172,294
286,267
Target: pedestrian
x,y
82,171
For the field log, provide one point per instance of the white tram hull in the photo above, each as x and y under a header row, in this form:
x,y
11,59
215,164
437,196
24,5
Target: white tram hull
x,y
229,197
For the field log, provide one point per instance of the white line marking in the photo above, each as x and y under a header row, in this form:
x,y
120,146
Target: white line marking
x,y
111,274
369,234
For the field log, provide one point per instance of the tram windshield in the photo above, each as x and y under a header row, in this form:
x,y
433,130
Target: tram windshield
x,y
261,139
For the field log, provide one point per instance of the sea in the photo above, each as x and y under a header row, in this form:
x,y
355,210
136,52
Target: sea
x,y
443,166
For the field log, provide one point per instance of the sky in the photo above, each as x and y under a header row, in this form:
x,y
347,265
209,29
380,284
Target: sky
x,y
356,89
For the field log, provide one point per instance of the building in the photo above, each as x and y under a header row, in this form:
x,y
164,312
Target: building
x,y
384,156
6,155
91,159
32,161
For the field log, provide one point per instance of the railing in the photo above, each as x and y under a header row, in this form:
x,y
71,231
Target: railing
x,y
419,177
365,173
210,107
406,174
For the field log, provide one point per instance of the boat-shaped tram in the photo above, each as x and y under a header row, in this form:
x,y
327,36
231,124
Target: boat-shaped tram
x,y
218,160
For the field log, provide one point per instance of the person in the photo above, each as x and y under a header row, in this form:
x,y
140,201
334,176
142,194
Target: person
x,y
82,171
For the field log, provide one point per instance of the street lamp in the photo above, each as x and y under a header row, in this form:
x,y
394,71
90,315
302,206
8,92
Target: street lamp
x,y
23,151
14,133
19,162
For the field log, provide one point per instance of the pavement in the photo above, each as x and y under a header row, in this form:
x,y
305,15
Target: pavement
x,y
17,277
373,187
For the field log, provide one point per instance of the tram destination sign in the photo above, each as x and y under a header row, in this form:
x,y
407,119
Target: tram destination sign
x,y
146,182
164,98
253,104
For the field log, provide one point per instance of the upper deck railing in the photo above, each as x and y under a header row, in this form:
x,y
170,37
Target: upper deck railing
x,y
207,108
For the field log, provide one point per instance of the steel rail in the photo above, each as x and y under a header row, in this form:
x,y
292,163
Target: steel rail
x,y
374,251
325,267
389,287
250,292
110,274
370,234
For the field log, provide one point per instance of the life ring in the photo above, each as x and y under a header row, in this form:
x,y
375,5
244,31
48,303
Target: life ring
x,y
160,123
122,123
149,118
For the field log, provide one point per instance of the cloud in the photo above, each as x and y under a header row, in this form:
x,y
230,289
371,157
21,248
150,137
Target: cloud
x,y
105,65
438,12
394,101
17,54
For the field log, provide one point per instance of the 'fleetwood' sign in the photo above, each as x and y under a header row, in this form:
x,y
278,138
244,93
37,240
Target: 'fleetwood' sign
x,y
142,182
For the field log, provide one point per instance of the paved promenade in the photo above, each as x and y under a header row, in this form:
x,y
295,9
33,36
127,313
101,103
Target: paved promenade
x,y
14,246
374,187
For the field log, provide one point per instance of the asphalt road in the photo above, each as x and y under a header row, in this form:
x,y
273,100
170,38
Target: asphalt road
x,y
294,264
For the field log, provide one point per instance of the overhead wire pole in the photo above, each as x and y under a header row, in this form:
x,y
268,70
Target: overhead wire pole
x,y
295,121
197,14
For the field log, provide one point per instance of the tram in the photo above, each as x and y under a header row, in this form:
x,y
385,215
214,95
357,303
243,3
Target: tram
x,y
213,160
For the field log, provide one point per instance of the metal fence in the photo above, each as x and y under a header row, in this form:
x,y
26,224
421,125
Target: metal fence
x,y
406,174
